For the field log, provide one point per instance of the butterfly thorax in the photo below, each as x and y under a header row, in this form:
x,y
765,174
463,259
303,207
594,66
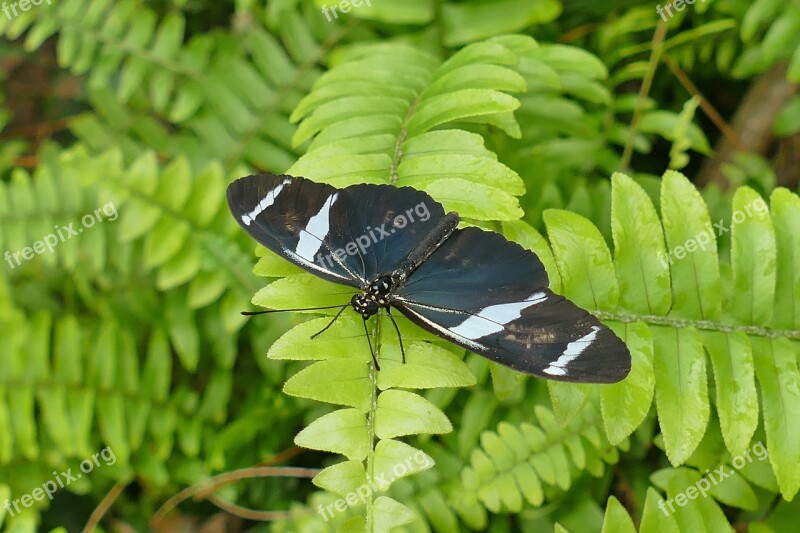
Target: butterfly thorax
x,y
376,295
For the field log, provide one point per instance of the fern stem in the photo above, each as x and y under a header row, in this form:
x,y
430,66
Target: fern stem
x,y
401,138
205,487
647,82
373,409
699,324
103,507
705,105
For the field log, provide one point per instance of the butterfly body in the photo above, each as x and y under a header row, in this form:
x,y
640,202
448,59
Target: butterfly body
x,y
378,292
399,250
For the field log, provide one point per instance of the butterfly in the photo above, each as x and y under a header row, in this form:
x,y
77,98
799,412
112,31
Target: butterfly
x,y
398,249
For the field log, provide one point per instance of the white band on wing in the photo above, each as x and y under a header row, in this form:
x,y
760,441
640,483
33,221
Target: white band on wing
x,y
493,318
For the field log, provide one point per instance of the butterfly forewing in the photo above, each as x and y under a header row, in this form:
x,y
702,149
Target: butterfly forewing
x,y
490,295
387,223
293,217
348,236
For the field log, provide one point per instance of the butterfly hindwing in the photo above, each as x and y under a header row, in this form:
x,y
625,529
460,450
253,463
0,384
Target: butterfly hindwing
x,y
490,295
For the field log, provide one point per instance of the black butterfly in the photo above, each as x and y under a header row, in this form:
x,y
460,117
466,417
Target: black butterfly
x,y
397,246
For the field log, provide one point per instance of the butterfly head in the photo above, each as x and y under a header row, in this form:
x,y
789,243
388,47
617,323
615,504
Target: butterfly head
x,y
373,297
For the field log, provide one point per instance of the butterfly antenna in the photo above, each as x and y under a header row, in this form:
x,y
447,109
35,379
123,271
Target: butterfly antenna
x,y
330,323
399,337
252,313
371,351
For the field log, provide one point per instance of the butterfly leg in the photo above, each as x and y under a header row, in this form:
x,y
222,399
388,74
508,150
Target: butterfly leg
x,y
397,329
371,351
330,323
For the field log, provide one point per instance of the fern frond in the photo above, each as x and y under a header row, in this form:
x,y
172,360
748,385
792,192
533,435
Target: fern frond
x,y
769,29
698,513
229,97
670,312
670,308
106,378
521,465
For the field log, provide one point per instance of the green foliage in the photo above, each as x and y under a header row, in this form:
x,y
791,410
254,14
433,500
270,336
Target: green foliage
x,y
372,123
158,276
667,307
130,335
770,28
228,96
681,313
530,462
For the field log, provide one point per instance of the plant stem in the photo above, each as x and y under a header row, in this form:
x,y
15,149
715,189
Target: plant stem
x,y
698,324
373,408
647,82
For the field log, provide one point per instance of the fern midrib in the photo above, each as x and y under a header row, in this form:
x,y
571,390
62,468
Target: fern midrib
x,y
373,409
401,139
681,382
645,284
591,286
710,325
731,370
697,289
586,422
780,388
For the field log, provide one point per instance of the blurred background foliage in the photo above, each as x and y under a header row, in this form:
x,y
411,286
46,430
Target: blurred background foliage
x,y
130,336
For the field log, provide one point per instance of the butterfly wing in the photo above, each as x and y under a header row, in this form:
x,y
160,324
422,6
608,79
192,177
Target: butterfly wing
x,y
292,217
348,236
388,222
491,296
